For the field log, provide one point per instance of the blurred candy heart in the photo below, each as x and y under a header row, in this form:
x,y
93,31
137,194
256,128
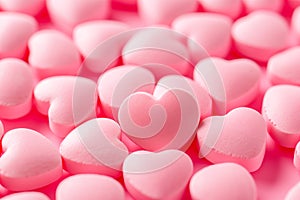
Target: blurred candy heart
x,y
30,7
26,196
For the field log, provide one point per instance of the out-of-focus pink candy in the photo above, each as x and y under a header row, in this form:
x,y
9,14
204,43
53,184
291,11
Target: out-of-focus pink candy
x,y
67,100
69,13
26,196
231,8
229,181
15,30
100,43
280,109
273,5
208,33
166,120
16,86
164,11
283,68
29,161
147,174
239,137
53,53
30,7
118,83
157,46
83,149
293,193
89,187
295,22
256,40
239,81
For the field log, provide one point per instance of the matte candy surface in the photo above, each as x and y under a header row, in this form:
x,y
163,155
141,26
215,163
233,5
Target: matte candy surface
x,y
30,7
26,196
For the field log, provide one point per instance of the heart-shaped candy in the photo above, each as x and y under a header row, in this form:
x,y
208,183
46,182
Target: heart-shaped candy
x,y
274,5
67,100
29,161
30,7
162,175
231,84
15,30
16,86
94,147
283,67
239,137
293,193
53,53
256,40
26,196
280,109
91,187
295,25
229,180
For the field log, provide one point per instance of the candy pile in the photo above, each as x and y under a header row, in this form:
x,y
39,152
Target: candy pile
x,y
149,99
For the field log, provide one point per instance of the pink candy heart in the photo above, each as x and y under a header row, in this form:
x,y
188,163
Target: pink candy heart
x,y
30,7
239,137
26,196
53,53
89,187
229,181
16,86
274,5
162,175
94,147
29,161
67,100
281,114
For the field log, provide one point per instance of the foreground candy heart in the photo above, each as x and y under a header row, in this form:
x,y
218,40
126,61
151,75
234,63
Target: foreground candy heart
x,y
240,79
67,100
238,137
274,5
101,150
166,120
69,13
280,109
293,193
283,68
206,32
53,53
30,7
29,160
160,11
229,181
256,40
147,175
100,43
26,196
91,187
16,86
15,30
118,83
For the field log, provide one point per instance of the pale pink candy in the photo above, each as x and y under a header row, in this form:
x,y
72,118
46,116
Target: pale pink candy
x,y
297,157
227,181
69,13
162,175
166,120
30,7
186,84
94,147
53,53
100,42
280,109
159,47
293,193
239,137
295,22
208,33
67,100
29,161
283,68
231,8
89,187
118,83
256,40
273,5
238,80
26,196
16,86
164,11
15,30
